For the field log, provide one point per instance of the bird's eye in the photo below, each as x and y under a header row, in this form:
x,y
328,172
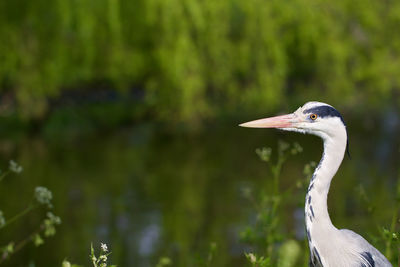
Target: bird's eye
x,y
313,117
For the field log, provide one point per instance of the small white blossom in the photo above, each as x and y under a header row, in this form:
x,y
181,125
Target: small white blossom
x,y
104,247
43,196
15,167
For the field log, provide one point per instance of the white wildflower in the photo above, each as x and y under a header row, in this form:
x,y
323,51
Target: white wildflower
x,y
43,196
15,167
104,247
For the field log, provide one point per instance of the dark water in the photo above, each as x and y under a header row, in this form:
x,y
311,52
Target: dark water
x,y
149,192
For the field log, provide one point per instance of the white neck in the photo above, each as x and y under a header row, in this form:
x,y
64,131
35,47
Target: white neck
x,y
318,222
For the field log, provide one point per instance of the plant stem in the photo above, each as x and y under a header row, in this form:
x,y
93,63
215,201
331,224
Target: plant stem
x,y
3,175
398,257
22,243
19,215
276,172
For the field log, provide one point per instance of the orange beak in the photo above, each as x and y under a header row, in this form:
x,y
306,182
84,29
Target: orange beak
x,y
283,121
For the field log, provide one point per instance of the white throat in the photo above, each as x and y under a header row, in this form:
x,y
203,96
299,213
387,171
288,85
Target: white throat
x,y
318,222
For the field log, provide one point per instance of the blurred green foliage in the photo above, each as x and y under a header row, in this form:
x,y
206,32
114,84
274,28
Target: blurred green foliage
x,y
47,228
195,59
266,236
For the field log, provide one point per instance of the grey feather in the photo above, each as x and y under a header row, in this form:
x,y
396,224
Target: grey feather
x,y
371,256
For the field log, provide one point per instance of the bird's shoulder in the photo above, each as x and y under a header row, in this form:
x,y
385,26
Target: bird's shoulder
x,y
370,256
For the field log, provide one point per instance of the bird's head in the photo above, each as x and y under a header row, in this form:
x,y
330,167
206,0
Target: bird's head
x,y
313,118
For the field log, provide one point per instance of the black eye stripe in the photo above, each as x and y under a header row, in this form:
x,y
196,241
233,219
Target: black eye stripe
x,y
325,111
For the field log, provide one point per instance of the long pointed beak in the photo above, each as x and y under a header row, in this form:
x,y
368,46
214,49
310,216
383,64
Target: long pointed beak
x,y
283,121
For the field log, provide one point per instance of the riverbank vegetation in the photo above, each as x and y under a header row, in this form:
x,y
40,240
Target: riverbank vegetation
x,y
188,61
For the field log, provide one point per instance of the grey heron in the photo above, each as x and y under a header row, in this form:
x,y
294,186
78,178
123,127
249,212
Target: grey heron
x,y
329,246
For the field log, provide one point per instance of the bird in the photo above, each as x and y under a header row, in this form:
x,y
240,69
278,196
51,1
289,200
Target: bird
x,y
329,246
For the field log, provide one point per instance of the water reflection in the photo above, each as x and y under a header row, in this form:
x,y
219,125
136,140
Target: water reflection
x,y
151,193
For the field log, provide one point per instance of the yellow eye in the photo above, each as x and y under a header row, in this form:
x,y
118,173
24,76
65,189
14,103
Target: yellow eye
x,y
313,117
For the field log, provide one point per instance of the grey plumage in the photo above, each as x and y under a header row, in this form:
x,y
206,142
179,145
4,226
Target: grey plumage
x,y
370,257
